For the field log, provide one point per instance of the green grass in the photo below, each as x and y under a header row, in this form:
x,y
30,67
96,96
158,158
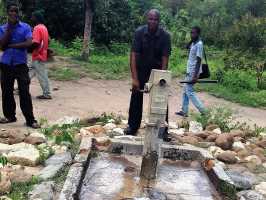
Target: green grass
x,y
20,190
244,97
64,74
113,63
113,67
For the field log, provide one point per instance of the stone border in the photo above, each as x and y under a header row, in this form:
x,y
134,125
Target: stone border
x,y
77,171
73,183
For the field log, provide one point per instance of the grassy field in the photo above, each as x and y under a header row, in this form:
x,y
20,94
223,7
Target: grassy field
x,y
113,63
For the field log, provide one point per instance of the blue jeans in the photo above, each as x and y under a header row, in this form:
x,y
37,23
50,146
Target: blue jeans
x,y
189,94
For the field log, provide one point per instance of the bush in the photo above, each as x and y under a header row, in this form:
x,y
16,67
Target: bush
x,y
223,117
239,80
247,34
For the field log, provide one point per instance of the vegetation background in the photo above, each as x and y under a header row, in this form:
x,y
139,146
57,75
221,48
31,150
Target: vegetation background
x,y
234,33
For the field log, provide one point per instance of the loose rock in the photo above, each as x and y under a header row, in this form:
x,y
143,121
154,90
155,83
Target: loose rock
x,y
228,157
44,191
262,143
238,146
243,153
117,132
254,159
5,184
203,135
189,140
173,125
195,127
211,138
250,195
224,141
180,131
215,151
27,156
35,139
109,126
96,130
217,131
11,137
4,148
261,188
212,127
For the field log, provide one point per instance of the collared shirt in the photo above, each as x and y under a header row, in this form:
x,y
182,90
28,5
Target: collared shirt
x,y
196,50
41,37
150,49
21,33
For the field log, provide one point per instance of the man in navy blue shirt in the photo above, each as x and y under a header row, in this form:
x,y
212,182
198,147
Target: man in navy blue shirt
x,y
151,49
15,38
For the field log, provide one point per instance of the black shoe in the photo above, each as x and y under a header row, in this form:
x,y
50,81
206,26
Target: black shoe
x,y
166,137
182,114
44,97
33,125
130,131
7,121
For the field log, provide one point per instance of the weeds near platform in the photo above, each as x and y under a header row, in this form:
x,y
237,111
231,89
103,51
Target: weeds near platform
x,y
62,133
223,117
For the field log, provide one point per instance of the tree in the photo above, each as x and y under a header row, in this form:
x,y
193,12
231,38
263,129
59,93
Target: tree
x,y
87,29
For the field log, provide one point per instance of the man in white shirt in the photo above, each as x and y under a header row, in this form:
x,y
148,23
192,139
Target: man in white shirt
x,y
194,68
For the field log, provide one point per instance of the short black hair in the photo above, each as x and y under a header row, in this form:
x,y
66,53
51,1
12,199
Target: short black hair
x,y
10,4
197,28
156,11
39,16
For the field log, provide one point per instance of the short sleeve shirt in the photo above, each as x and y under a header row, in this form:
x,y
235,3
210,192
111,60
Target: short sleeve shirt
x,y
21,33
150,49
196,50
41,37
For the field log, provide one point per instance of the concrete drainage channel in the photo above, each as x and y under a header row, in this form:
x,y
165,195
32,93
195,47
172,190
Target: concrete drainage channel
x,y
184,172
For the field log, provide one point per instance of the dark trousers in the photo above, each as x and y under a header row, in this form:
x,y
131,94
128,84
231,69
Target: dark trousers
x,y
136,109
8,76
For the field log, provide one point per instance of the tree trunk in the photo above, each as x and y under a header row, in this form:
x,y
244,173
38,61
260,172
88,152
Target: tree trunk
x,y
87,29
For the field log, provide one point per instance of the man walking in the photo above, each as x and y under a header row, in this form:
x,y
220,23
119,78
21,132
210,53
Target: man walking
x,y
39,55
193,71
150,50
15,38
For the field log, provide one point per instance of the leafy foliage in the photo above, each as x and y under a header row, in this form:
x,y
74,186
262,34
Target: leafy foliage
x,y
219,115
3,160
62,133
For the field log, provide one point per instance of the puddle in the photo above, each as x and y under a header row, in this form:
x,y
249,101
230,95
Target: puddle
x,y
112,177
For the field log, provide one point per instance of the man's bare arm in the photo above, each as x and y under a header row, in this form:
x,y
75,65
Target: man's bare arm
x,y
21,45
134,72
5,39
165,62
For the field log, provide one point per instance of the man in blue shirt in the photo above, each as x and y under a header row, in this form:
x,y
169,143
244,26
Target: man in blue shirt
x,y
15,38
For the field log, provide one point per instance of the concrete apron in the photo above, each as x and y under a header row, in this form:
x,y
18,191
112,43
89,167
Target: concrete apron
x,y
114,174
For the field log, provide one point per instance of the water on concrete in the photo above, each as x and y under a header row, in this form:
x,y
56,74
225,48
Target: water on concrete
x,y
111,177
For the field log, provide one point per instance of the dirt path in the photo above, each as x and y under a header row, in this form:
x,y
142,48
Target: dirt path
x,y
87,97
